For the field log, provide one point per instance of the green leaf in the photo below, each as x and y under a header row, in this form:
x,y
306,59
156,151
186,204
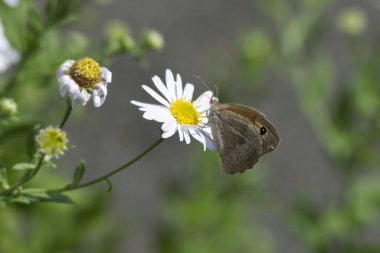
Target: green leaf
x,y
21,199
79,171
58,197
24,166
41,195
60,11
109,183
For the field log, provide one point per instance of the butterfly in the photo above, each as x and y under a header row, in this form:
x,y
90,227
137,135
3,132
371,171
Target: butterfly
x,y
241,135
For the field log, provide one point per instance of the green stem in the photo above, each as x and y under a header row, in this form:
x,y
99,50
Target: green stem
x,y
67,114
29,175
112,172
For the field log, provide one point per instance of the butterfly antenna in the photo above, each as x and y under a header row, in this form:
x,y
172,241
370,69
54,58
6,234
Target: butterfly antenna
x,y
203,82
216,90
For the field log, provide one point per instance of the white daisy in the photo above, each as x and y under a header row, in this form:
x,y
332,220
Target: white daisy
x,y
177,111
82,79
8,55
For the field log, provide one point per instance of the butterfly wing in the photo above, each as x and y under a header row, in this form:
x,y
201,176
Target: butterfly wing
x,y
237,141
271,138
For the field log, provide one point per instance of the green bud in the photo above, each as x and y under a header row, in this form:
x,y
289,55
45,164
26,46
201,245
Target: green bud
x,y
255,47
8,107
119,37
152,39
352,21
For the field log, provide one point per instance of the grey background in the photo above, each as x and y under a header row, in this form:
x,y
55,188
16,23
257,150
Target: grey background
x,y
199,36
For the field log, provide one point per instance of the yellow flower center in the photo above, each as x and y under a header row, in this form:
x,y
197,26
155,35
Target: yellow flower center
x,y
85,72
52,141
184,112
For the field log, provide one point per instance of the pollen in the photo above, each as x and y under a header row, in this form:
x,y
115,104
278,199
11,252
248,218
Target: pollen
x,y
52,141
184,112
85,72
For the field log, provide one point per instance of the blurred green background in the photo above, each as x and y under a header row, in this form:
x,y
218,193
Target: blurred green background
x,y
311,66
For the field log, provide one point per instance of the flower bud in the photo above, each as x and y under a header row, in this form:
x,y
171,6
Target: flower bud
x,y
8,107
152,39
352,21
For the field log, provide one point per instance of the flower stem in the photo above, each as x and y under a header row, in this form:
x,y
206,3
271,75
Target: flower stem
x,y
67,114
31,173
112,172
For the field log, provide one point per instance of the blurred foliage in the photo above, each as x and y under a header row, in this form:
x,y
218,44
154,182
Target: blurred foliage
x,y
342,105
213,212
60,228
46,33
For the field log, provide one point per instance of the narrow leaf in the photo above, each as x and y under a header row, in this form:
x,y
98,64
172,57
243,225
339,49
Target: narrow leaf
x,y
109,184
79,171
24,166
59,197
21,199
41,195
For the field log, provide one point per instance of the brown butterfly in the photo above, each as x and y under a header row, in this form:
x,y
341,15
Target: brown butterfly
x,y
241,135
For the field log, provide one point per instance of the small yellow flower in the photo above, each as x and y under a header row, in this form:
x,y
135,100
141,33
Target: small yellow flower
x,y
52,141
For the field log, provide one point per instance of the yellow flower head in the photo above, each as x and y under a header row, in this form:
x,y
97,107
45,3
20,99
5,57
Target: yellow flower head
x,y
52,141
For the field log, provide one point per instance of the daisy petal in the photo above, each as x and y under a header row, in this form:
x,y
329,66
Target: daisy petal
x,y
64,68
180,133
205,97
168,125
198,136
147,105
188,92
84,96
63,89
210,145
159,115
171,131
154,109
161,87
204,136
154,116
156,96
186,135
106,74
99,95
67,85
74,101
179,86
203,108
170,83
203,101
